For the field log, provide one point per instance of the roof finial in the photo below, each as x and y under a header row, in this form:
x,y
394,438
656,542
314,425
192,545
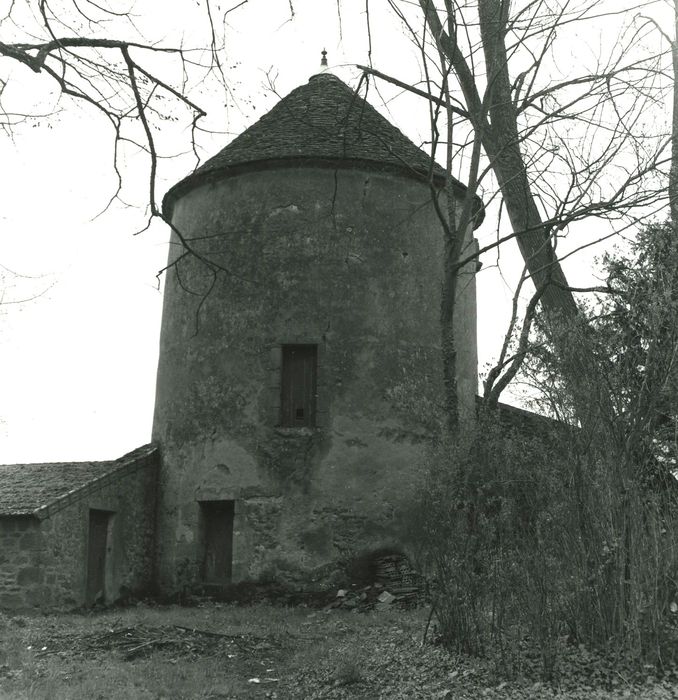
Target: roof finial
x,y
323,60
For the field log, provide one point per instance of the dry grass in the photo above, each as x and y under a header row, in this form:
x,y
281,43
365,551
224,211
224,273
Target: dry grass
x,y
294,653
54,657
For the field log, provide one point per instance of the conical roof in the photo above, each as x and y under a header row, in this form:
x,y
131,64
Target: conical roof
x,y
323,121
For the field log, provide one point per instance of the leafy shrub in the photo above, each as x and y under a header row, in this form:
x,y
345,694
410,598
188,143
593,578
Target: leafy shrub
x,y
482,523
523,536
573,531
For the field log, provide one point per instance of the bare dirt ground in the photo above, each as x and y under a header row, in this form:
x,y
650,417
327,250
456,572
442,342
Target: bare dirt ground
x,y
217,650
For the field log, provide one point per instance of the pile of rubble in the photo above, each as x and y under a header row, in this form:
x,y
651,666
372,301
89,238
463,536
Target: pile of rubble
x,y
395,583
374,597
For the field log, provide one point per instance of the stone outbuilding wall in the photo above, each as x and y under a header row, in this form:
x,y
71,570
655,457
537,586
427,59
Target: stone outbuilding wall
x,y
47,550
20,564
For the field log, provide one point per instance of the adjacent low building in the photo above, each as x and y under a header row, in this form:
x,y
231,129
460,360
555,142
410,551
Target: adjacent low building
x,y
74,534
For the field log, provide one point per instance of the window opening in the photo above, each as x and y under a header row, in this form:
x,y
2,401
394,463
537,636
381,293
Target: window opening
x,y
298,386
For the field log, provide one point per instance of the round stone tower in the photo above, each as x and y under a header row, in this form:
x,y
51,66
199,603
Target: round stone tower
x,y
300,371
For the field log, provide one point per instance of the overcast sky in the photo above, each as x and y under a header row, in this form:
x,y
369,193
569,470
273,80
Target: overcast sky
x,y
79,326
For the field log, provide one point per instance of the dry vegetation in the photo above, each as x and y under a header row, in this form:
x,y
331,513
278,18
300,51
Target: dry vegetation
x,y
295,652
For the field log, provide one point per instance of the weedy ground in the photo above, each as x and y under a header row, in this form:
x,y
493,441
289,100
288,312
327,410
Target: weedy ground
x,y
218,650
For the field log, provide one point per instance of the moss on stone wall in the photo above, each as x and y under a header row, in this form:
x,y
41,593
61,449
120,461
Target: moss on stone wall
x,y
350,261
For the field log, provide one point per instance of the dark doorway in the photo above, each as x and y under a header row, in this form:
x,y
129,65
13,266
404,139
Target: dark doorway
x,y
298,386
217,518
97,555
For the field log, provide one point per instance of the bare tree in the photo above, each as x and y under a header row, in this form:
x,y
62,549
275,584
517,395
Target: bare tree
x,y
673,175
100,54
561,146
548,146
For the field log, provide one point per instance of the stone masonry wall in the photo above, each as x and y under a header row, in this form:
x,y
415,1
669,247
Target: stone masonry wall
x,y
351,262
21,547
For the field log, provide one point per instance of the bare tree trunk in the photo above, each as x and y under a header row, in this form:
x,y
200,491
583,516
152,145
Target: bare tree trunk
x,y
502,145
448,344
453,236
501,142
673,173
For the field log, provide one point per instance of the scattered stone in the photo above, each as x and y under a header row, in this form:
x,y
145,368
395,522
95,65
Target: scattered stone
x,y
386,598
375,597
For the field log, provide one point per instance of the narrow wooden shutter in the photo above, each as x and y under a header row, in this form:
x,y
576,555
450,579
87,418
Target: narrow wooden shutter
x,y
298,386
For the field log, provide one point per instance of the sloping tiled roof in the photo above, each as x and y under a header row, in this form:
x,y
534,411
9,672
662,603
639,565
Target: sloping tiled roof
x,y
321,121
26,489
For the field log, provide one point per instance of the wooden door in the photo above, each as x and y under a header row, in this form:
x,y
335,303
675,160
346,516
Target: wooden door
x,y
218,541
97,547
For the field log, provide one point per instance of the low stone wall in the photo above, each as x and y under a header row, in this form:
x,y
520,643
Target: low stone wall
x,y
21,547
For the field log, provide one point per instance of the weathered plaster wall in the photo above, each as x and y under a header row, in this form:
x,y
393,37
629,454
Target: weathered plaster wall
x,y
350,260
43,563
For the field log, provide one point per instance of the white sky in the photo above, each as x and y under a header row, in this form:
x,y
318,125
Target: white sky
x,y
78,362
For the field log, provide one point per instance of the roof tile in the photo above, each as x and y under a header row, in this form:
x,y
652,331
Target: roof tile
x,y
323,120
26,488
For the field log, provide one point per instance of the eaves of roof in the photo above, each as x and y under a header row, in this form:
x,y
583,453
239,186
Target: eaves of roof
x,y
40,489
323,123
